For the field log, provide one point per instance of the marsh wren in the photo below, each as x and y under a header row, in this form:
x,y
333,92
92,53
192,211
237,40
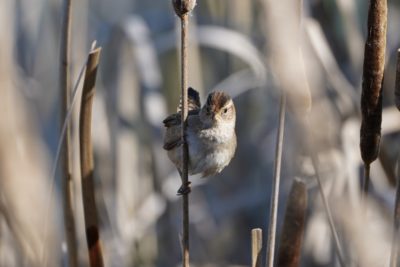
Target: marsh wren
x,y
210,135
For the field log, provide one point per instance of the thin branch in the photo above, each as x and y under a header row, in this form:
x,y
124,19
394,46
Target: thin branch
x,y
275,184
87,167
65,87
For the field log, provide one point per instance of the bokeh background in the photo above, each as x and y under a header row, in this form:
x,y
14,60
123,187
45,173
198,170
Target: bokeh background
x,y
245,48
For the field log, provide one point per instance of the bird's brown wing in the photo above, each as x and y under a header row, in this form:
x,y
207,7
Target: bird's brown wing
x,y
173,122
172,144
173,134
175,119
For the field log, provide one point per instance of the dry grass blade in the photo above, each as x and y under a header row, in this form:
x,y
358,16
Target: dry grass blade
x,y
371,97
65,90
87,168
293,226
256,246
275,184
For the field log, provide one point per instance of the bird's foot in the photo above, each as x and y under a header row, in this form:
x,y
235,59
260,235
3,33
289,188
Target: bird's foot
x,y
185,189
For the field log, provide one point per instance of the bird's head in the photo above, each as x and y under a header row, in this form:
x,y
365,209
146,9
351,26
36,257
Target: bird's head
x,y
218,110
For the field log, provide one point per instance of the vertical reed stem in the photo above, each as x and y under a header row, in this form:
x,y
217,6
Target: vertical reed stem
x,y
182,9
87,166
185,161
256,247
275,184
396,216
365,185
396,226
65,90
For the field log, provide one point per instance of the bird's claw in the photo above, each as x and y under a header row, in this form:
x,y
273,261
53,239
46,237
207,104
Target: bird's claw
x,y
185,189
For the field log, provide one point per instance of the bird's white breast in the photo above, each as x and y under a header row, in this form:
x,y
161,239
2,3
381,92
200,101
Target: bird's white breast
x,y
208,150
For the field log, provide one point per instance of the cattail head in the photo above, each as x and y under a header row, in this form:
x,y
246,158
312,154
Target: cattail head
x,y
293,225
183,7
371,97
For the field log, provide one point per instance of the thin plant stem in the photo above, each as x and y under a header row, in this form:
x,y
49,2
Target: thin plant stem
x,y
366,182
65,88
396,226
66,120
87,166
396,216
185,161
275,184
182,9
338,247
256,247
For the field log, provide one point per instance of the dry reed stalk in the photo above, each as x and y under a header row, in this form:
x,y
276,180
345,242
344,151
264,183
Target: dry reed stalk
x,y
256,247
57,157
275,184
396,216
182,9
289,251
371,97
65,90
87,168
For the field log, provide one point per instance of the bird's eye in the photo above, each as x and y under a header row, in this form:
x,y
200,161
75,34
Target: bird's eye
x,y
225,110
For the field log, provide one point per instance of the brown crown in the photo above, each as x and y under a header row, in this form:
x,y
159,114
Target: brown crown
x,y
218,100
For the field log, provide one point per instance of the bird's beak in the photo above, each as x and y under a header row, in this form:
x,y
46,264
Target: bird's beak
x,y
213,116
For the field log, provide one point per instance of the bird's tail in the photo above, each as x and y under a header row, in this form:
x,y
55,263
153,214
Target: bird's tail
x,y
193,100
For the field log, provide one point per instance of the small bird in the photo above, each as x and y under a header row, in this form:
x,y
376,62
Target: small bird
x,y
210,135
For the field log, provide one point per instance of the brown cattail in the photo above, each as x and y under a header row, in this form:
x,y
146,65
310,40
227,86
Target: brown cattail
x,y
371,97
183,7
397,85
293,226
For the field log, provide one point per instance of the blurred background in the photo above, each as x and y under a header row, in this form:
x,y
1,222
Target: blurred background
x,y
249,49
